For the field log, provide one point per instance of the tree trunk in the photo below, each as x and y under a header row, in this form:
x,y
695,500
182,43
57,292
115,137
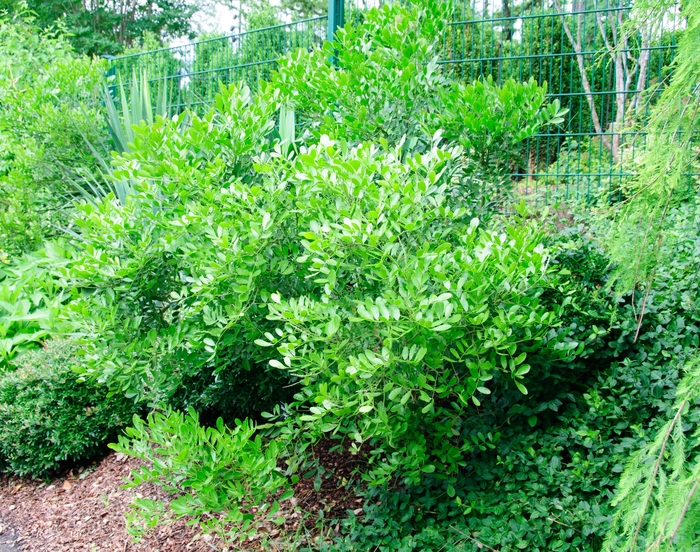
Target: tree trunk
x,y
626,69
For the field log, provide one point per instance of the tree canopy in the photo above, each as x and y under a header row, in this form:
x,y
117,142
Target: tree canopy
x,y
98,27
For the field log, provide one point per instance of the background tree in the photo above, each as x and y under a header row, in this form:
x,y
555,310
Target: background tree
x,y
99,27
302,9
626,50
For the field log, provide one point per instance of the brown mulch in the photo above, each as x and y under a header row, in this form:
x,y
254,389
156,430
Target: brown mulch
x,y
84,510
334,495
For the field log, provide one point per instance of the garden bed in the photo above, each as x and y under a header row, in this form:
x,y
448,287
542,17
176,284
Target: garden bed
x,y
84,510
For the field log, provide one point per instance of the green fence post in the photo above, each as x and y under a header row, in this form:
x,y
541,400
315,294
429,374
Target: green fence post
x,y
111,72
336,17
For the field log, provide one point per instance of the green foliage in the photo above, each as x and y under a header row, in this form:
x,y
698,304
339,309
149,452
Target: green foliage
x,y
492,123
264,15
479,365
48,419
564,466
657,486
213,55
584,164
49,101
385,83
31,300
546,482
109,27
172,306
136,109
656,500
302,9
211,471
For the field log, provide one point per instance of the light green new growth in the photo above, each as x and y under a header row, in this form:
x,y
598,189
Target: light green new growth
x,y
665,170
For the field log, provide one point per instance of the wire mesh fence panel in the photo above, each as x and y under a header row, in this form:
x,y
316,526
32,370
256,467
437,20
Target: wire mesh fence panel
x,y
354,10
604,70
192,72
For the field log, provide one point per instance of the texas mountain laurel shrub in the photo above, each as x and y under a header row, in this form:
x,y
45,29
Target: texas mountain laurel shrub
x,y
346,268
353,272
48,419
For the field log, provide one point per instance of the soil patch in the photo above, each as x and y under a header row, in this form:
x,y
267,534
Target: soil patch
x,y
84,511
8,537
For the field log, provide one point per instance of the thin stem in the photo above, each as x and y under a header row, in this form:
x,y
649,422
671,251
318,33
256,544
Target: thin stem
x,y
657,466
683,511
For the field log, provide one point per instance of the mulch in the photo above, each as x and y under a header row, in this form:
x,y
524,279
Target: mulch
x,y
84,510
330,488
8,537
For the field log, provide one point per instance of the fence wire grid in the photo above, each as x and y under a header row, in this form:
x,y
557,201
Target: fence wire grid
x,y
581,49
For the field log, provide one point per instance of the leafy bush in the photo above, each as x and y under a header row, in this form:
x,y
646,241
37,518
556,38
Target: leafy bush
x,y
352,270
244,260
49,102
190,458
173,307
48,419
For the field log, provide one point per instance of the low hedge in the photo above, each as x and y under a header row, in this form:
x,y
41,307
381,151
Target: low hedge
x,y
48,419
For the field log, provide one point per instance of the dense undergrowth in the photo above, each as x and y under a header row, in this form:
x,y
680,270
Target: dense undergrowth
x,y
353,279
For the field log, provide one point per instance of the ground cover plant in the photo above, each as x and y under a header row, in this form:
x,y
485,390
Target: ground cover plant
x,y
366,281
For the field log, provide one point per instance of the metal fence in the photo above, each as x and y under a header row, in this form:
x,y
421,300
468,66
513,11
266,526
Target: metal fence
x,y
603,70
192,72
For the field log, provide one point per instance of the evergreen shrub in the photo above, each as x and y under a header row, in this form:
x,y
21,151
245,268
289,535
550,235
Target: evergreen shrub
x,y
48,419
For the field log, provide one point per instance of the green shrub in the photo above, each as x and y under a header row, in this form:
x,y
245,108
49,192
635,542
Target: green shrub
x,y
354,270
212,471
48,419
50,100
